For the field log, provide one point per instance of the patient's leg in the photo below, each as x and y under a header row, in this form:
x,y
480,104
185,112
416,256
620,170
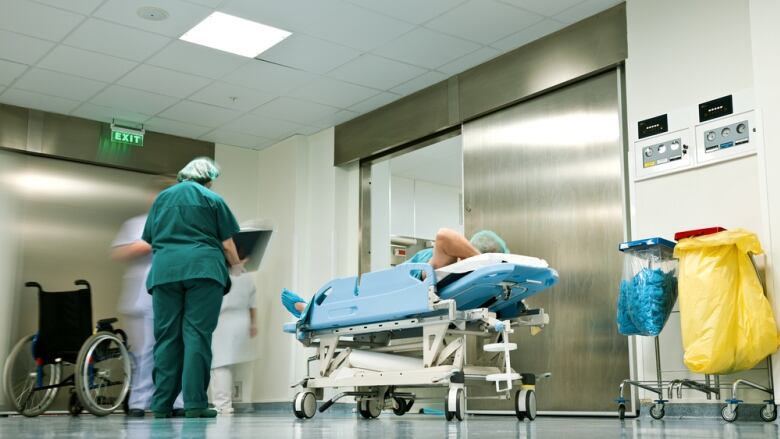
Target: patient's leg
x,y
451,246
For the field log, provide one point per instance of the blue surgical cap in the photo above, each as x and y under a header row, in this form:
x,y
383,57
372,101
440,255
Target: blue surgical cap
x,y
201,170
487,241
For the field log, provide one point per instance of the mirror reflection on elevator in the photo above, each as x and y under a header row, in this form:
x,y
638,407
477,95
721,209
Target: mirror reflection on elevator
x,y
665,152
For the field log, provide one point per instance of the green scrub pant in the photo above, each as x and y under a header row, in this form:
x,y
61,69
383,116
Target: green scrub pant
x,y
185,316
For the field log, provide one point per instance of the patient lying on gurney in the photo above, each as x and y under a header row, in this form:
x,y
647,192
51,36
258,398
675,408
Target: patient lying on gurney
x,y
449,247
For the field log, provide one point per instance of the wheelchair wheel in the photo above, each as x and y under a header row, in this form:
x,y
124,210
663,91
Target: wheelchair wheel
x,y
21,378
102,373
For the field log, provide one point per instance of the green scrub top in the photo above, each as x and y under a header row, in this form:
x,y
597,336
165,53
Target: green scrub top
x,y
186,226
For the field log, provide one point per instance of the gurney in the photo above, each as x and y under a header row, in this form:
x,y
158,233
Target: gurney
x,y
390,329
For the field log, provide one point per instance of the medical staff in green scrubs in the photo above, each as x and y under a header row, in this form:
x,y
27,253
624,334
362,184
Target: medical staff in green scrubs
x,y
190,229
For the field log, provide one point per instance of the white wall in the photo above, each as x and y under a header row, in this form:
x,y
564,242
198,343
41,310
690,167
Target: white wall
x,y
314,207
765,39
681,54
238,182
420,208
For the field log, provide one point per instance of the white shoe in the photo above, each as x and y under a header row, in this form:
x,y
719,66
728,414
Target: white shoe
x,y
226,411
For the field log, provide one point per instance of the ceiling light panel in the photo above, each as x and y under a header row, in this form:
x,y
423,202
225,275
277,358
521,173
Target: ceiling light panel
x,y
235,35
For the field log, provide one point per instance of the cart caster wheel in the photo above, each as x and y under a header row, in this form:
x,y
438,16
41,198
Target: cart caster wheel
x,y
622,411
657,411
369,408
728,414
74,405
768,412
525,404
455,405
402,406
304,405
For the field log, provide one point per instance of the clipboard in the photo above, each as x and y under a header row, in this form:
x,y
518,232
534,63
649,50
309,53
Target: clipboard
x,y
251,243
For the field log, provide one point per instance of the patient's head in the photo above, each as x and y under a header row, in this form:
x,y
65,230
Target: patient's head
x,y
487,241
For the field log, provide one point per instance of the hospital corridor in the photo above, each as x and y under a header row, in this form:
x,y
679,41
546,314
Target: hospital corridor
x,y
389,219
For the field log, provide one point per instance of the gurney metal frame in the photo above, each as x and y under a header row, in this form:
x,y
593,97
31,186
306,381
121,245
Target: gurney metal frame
x,y
441,337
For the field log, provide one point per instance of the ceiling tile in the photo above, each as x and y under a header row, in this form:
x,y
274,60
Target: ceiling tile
x,y
356,27
183,15
374,102
585,9
413,11
175,127
474,58
162,81
58,84
308,53
334,93
22,98
264,126
338,118
209,3
200,114
419,83
295,110
234,138
424,47
266,76
21,48
332,20
290,15
375,71
37,20
113,39
84,7
10,71
107,114
199,60
528,34
221,94
544,7
484,21
87,64
133,100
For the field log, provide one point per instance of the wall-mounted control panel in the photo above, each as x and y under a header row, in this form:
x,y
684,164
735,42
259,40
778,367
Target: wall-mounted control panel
x,y
726,138
662,154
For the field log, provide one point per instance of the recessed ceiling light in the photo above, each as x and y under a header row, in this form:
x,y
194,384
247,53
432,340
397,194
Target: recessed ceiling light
x,y
235,35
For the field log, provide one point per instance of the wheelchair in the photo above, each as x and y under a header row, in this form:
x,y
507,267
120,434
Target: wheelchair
x,y
100,362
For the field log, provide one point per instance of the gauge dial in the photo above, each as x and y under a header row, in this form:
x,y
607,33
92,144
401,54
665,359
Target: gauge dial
x,y
726,132
741,128
711,136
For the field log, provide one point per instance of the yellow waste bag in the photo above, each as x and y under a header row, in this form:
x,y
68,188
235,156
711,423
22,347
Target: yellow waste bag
x,y
727,321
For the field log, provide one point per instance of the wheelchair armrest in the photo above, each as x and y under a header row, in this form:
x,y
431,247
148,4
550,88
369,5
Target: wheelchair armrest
x,y
33,285
83,283
107,321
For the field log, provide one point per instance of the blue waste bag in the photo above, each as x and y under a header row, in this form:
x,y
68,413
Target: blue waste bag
x,y
645,302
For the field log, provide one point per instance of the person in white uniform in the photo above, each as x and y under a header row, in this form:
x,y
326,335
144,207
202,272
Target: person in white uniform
x,y
135,308
233,339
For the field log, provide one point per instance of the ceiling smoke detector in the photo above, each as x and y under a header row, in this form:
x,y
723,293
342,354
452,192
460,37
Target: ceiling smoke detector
x,y
152,13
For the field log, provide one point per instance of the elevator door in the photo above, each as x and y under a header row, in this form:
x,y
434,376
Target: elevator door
x,y
547,175
65,217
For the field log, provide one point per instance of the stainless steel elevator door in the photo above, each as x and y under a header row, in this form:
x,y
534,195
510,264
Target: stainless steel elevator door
x,y
546,175
66,217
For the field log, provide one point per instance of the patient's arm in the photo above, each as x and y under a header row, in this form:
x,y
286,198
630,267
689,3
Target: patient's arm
x,y
451,246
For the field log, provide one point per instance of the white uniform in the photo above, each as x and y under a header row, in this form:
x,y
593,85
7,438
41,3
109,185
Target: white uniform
x,y
231,343
135,306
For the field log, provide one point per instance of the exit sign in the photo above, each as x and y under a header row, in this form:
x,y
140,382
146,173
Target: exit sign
x,y
127,137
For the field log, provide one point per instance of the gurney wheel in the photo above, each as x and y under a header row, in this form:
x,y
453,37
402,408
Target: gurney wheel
x,y
369,408
402,406
304,405
622,411
728,414
525,404
657,411
768,412
458,396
